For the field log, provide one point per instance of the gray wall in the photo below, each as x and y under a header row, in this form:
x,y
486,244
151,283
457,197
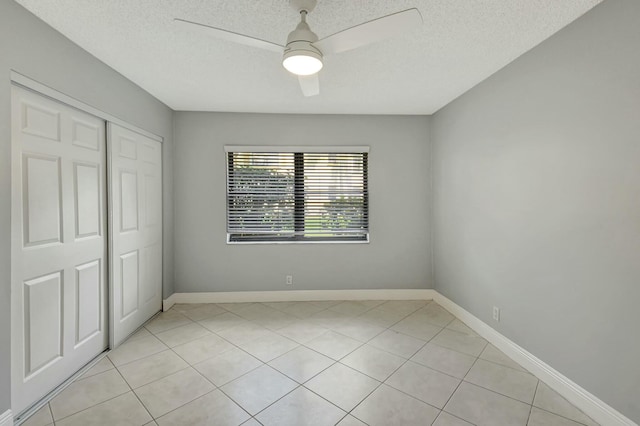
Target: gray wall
x,y
32,48
398,169
536,192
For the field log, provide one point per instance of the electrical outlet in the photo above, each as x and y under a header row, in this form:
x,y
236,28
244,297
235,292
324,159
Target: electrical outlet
x,y
496,313
289,280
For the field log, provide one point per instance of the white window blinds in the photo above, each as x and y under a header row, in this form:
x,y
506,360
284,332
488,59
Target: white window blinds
x,y
297,195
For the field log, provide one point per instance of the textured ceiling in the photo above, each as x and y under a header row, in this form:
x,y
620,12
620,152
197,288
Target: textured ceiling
x,y
461,43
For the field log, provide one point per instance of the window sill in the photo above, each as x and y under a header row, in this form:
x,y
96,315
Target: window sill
x,y
297,242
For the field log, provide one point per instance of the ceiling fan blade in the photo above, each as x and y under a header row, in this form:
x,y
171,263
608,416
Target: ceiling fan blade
x,y
370,32
229,35
310,84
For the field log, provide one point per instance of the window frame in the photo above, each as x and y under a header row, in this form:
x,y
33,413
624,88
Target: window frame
x,y
296,150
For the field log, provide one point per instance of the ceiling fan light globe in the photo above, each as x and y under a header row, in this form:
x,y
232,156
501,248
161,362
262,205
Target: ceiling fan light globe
x,y
302,63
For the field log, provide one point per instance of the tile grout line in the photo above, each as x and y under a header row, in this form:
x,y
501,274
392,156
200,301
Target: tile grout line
x,y
461,380
201,396
384,381
188,402
457,417
560,415
242,375
135,394
137,359
299,385
506,396
92,406
500,393
389,327
188,341
360,372
152,333
164,377
533,399
254,415
334,363
456,390
300,320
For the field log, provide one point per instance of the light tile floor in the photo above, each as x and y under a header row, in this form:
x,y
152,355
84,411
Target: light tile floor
x,y
308,363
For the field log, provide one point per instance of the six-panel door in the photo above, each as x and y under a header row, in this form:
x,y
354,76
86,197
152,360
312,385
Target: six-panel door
x,y
63,308
135,176
59,270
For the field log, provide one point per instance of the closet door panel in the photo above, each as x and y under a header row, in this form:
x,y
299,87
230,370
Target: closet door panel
x,y
58,253
135,175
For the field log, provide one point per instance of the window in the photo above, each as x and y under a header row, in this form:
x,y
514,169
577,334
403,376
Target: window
x,y
287,194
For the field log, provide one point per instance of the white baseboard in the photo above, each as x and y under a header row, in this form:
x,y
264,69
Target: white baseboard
x,y
168,302
6,418
297,296
572,392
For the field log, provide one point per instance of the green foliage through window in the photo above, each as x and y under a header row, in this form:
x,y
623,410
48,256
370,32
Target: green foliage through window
x,y
296,196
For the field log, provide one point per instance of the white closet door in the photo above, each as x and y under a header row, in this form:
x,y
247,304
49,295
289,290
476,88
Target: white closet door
x,y
58,266
135,176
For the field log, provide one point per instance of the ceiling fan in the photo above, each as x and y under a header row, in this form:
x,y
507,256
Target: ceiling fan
x,y
303,52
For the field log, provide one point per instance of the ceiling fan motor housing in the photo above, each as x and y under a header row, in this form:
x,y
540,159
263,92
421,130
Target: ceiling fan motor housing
x,y
301,39
300,43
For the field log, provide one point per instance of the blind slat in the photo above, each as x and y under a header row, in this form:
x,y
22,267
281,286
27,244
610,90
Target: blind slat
x,y
309,196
